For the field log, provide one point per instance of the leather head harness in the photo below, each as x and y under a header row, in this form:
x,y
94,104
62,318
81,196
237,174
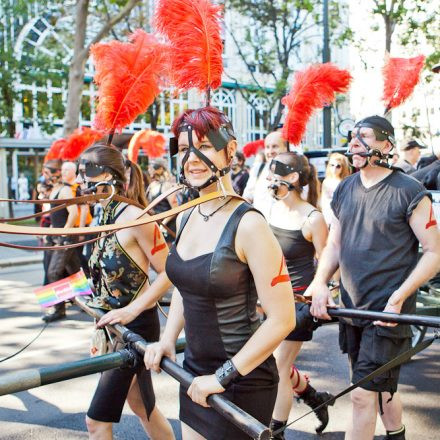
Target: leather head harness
x,y
282,169
219,139
383,130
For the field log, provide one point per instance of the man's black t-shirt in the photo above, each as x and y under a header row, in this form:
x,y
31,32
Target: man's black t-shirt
x,y
378,247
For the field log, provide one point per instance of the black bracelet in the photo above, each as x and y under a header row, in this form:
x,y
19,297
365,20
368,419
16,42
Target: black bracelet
x,y
226,373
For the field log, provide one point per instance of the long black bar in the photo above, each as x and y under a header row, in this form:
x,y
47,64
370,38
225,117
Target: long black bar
x,y
22,380
227,409
427,321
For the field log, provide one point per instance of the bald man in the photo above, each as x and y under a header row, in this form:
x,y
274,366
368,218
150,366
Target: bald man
x,y
256,191
68,173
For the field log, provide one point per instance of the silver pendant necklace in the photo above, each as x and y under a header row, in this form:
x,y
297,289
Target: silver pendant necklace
x,y
206,217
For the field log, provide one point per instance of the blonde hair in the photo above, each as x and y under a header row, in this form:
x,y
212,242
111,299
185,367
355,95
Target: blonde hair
x,y
343,161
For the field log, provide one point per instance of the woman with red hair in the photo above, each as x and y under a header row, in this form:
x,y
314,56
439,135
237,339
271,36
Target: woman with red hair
x,y
220,271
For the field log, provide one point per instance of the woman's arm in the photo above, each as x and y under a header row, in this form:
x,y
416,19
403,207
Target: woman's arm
x,y
151,241
167,344
267,264
317,232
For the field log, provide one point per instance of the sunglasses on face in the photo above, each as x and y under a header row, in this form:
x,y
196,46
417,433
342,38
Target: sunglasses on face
x,y
52,170
335,165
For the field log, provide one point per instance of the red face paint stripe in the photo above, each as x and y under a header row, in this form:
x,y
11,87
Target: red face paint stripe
x,y
432,221
280,278
157,236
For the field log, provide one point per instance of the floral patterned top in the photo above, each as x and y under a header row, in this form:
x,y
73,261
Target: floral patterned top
x,y
113,271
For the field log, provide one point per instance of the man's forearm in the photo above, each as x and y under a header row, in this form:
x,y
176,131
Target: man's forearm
x,y
71,219
328,263
83,209
425,269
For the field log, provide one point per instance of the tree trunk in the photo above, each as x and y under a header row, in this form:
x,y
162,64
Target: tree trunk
x,y
80,54
389,28
77,68
9,107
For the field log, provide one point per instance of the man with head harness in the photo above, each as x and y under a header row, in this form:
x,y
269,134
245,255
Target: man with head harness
x,y
381,215
365,133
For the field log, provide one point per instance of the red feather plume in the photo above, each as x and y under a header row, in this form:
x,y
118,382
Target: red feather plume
x,y
252,148
193,30
151,142
55,149
313,88
81,139
401,75
128,76
155,145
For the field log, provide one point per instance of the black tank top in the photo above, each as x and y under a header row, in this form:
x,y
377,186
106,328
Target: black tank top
x,y
299,254
163,205
58,219
219,300
112,270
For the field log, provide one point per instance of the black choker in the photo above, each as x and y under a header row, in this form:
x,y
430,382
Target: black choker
x,y
207,217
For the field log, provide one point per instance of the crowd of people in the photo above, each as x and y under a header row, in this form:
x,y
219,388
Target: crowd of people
x,y
276,232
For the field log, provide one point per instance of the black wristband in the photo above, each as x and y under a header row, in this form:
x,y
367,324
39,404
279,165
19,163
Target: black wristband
x,y
226,373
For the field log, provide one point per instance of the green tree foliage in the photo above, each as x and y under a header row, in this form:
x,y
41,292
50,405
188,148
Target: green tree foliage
x,y
48,64
32,67
272,42
412,23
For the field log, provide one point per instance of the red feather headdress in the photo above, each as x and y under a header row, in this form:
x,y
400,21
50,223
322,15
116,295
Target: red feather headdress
x,y
193,30
151,142
252,148
78,141
128,76
401,75
55,149
314,88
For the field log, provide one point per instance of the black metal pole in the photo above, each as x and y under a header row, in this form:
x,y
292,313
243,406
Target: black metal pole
x,y
22,380
227,409
427,321
327,111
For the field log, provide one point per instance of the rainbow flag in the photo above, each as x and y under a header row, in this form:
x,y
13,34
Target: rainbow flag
x,y
64,289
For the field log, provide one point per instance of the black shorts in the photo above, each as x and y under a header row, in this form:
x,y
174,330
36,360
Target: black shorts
x,y
113,386
301,332
369,348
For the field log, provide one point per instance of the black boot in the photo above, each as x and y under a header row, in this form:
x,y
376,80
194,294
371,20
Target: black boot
x,y
313,398
58,313
275,425
396,435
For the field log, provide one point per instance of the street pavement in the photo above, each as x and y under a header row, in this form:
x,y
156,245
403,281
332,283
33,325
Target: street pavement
x,y
10,256
57,411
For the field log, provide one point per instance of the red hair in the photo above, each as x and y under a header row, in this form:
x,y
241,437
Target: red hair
x,y
202,120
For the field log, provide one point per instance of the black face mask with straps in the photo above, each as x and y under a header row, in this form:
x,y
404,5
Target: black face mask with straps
x,y
381,135
92,170
219,139
281,169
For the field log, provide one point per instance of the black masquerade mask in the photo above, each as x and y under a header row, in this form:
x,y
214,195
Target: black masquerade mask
x,y
219,139
92,170
281,169
383,131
